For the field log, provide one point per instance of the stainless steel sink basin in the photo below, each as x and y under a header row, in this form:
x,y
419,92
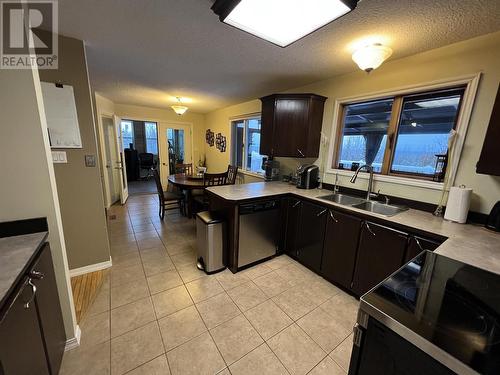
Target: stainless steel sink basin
x,y
347,200
380,208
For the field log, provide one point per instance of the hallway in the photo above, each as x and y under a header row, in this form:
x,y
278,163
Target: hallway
x,y
157,314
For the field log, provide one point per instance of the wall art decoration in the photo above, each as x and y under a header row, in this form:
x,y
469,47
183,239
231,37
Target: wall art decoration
x,y
220,142
209,137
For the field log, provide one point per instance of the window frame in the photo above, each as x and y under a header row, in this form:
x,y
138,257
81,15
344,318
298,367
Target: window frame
x,y
244,119
470,82
131,130
146,137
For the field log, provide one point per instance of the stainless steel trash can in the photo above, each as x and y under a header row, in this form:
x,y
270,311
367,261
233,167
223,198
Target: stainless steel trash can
x,y
210,242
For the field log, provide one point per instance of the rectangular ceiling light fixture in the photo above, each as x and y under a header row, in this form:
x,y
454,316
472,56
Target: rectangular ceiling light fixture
x,y
281,22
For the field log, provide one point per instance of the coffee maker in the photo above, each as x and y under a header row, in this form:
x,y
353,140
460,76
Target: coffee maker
x,y
271,169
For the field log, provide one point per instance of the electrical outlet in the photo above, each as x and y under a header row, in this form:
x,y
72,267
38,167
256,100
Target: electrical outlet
x,y
90,161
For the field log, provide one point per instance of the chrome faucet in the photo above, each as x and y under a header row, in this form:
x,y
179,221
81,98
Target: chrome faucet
x,y
369,169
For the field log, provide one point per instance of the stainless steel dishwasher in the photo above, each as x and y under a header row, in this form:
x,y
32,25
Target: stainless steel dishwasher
x,y
259,231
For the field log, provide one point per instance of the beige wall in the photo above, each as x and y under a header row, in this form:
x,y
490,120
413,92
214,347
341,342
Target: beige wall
x,y
79,187
167,115
28,187
476,55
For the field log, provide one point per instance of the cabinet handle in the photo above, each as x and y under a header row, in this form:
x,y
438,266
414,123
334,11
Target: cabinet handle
x,y
296,204
321,213
419,244
37,275
33,292
300,153
369,229
333,217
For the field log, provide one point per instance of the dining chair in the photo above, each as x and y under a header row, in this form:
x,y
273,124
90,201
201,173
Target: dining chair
x,y
232,173
209,179
168,200
184,169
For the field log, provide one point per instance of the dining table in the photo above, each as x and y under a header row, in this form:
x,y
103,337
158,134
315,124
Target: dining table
x,y
187,183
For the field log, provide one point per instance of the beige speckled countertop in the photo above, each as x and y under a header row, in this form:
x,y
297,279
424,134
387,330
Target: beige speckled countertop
x,y
472,244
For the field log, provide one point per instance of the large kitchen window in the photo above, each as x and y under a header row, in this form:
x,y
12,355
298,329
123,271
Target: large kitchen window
x,y
246,144
406,135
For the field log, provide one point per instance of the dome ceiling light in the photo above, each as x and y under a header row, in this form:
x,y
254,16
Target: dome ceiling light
x,y
371,56
179,108
281,22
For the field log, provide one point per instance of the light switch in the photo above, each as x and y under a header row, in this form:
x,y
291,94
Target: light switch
x,y
59,157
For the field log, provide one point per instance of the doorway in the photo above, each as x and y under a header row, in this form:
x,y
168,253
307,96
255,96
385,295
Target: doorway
x,y
175,140
140,145
112,159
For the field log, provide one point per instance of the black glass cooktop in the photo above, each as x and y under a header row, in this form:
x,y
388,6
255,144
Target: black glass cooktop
x,y
453,305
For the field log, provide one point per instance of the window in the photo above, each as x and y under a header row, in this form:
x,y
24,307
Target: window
x,y
403,135
151,137
127,133
246,144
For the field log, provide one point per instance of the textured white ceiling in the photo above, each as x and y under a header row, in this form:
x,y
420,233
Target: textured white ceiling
x,y
145,52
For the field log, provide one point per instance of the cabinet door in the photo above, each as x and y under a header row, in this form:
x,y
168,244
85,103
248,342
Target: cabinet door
x,y
21,345
291,127
292,224
418,244
381,251
267,127
311,235
49,308
340,248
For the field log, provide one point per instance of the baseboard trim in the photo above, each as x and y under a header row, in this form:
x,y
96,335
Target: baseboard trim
x,y
90,268
74,342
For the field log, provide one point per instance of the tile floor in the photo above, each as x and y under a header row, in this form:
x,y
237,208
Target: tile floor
x,y
157,314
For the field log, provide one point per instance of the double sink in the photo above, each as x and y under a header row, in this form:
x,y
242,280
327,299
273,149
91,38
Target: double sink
x,y
363,204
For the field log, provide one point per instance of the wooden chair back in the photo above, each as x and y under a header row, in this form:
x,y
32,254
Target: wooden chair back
x,y
232,172
214,179
158,184
184,169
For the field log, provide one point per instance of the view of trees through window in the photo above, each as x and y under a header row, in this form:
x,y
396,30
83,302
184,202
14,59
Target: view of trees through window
x,y
418,137
127,133
246,144
151,137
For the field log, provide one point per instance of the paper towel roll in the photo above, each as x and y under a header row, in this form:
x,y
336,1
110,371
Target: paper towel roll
x,y
458,204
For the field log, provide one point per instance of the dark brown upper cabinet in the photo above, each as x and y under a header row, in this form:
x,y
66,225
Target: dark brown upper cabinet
x,y
291,125
488,161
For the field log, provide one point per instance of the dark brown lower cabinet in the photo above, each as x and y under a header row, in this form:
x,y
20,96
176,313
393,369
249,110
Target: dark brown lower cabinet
x,y
21,343
418,244
32,336
292,225
340,248
49,309
381,251
311,235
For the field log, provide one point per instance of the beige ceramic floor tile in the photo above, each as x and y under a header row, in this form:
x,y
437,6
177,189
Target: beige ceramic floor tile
x,y
261,361
247,296
190,272
129,292
170,301
180,327
196,357
126,275
235,338
296,350
129,317
295,303
342,308
229,280
155,266
217,310
327,367
95,329
158,366
93,359
164,281
268,319
271,284
323,329
342,353
135,348
204,288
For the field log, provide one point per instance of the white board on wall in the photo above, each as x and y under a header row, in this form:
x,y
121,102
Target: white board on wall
x,y
62,118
